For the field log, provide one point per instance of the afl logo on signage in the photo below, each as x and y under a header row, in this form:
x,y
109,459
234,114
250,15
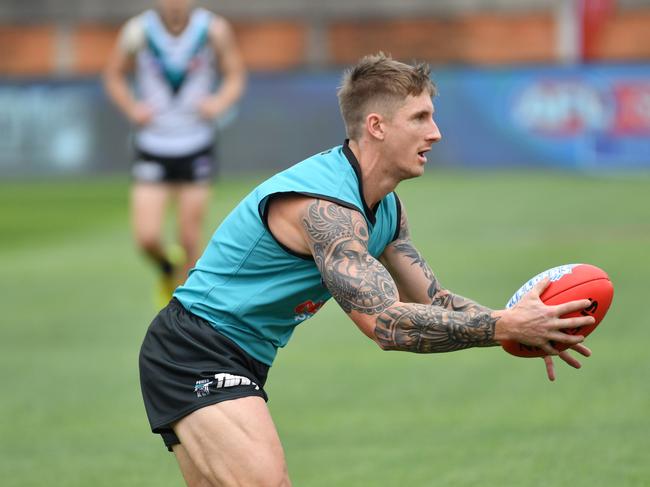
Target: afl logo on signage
x,y
562,108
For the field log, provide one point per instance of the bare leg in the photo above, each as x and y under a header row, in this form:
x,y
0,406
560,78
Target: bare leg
x,y
231,443
193,477
193,202
148,205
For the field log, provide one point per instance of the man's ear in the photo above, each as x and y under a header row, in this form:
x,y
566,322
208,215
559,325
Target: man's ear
x,y
375,126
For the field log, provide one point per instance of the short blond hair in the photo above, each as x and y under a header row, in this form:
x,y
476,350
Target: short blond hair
x,y
379,83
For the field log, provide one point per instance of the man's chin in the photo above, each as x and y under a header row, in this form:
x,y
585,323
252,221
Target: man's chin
x,y
417,172
412,175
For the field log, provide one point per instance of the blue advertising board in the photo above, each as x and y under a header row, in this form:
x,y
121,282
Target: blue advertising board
x,y
592,117
584,117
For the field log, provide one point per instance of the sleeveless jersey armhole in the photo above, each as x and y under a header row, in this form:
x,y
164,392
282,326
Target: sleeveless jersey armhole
x,y
398,213
263,209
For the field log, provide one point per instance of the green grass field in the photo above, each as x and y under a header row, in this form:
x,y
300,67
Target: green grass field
x,y
76,300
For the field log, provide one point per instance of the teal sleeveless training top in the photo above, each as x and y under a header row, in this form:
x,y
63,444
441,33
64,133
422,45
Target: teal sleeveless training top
x,y
251,288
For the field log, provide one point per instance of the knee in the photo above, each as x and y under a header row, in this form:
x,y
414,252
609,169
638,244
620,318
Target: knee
x,y
278,477
272,475
260,474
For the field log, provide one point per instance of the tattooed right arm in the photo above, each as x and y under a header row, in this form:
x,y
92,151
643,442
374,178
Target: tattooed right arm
x,y
427,329
338,240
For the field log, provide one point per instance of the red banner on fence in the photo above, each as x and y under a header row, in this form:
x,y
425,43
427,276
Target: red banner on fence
x,y
592,15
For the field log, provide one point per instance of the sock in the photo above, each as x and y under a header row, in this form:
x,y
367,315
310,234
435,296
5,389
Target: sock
x,y
166,267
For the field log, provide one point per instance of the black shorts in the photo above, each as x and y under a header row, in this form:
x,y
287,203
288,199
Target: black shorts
x,y
199,166
185,364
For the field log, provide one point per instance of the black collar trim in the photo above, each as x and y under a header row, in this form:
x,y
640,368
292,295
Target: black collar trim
x,y
370,212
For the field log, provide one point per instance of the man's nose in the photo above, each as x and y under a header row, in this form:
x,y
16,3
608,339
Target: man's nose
x,y
434,135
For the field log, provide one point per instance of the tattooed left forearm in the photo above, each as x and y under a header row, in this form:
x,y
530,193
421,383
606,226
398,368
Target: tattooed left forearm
x,y
454,302
428,329
438,296
405,248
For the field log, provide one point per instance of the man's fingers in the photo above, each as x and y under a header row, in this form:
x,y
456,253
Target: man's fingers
x,y
582,350
550,370
566,357
539,288
576,322
548,348
569,359
571,306
559,337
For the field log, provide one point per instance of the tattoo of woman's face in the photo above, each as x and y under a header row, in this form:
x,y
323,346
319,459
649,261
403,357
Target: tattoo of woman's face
x,y
339,238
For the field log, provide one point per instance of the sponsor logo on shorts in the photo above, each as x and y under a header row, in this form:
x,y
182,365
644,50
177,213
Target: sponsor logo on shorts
x,y
202,167
220,381
148,171
202,387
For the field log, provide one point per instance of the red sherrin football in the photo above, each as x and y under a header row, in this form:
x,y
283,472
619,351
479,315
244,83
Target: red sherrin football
x,y
568,283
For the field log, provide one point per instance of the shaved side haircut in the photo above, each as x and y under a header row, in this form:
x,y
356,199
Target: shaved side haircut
x,y
378,83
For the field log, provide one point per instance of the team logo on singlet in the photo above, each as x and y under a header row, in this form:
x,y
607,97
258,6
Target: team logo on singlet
x,y
307,309
223,380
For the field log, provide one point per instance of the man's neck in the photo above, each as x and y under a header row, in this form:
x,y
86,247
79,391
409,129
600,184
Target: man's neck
x,y
376,183
175,23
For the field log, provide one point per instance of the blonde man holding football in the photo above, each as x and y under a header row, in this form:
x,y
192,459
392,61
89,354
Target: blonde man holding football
x,y
329,226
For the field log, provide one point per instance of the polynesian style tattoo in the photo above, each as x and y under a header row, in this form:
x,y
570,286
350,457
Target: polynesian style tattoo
x,y
339,240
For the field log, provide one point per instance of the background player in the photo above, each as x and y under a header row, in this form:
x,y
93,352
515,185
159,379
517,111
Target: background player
x,y
188,74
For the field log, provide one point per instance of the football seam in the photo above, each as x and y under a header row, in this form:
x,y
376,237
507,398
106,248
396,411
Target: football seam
x,y
579,284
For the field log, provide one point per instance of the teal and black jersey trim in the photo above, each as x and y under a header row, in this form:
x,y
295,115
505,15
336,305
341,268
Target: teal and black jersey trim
x,y
175,69
254,290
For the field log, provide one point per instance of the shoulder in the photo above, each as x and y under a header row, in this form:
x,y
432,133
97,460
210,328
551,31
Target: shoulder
x,y
323,171
326,223
219,29
132,36
302,223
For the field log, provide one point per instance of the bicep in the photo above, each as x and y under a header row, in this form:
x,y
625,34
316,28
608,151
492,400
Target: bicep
x,y
119,63
224,44
338,240
129,41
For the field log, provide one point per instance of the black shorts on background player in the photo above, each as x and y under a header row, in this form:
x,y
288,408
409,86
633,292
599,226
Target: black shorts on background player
x,y
200,166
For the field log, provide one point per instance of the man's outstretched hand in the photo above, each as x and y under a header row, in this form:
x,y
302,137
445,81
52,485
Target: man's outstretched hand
x,y
567,357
